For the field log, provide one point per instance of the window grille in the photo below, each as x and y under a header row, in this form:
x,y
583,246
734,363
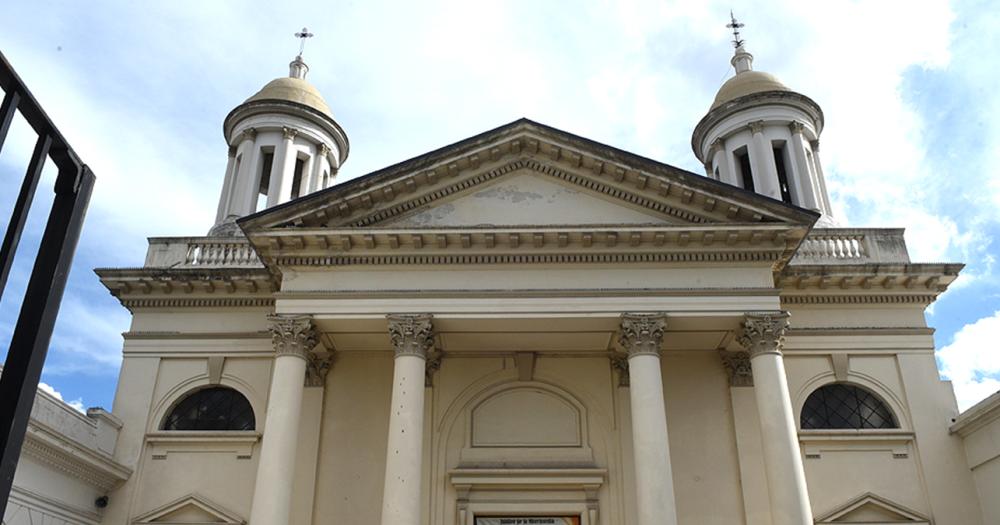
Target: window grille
x,y
215,408
843,406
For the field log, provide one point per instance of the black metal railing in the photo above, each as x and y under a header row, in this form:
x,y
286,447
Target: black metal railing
x,y
33,330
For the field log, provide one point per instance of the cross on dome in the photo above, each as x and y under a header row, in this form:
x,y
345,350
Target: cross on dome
x,y
735,26
302,36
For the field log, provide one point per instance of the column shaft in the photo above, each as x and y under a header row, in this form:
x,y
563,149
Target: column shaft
x,y
279,189
293,339
805,185
763,336
642,337
412,336
404,456
765,173
654,480
245,191
272,500
228,184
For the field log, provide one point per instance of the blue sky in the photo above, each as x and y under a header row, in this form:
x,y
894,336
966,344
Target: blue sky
x,y
141,89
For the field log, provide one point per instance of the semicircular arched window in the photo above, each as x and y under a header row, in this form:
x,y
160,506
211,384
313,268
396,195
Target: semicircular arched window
x,y
845,406
215,408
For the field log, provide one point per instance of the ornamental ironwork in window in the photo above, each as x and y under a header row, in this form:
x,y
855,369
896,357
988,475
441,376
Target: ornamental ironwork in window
x,y
843,406
216,408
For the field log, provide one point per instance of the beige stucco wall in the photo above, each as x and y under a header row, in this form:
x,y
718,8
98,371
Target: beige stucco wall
x,y
980,428
715,443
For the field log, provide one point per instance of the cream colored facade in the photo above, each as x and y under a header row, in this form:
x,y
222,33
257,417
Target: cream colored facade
x,y
531,324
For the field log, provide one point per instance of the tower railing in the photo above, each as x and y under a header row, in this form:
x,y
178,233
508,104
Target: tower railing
x,y
852,246
33,329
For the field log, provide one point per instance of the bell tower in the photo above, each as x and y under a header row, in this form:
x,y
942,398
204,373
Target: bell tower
x,y
763,137
283,144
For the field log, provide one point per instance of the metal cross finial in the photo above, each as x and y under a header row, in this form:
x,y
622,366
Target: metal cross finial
x,y
303,35
735,26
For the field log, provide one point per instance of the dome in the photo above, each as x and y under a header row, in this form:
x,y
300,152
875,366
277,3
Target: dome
x,y
747,83
294,90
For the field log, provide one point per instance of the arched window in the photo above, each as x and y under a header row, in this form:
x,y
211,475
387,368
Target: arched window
x,y
216,408
844,406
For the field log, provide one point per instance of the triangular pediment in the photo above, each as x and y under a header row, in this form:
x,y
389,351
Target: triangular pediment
x,y
190,509
872,509
526,197
526,173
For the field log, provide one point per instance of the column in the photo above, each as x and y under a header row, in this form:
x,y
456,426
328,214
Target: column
x,y
720,161
246,187
641,337
316,174
746,424
763,335
804,179
279,189
294,338
765,173
412,336
227,187
820,179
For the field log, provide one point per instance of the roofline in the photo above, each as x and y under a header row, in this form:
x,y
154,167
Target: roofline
x,y
430,157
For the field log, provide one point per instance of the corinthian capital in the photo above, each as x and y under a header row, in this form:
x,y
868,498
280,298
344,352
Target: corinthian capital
x,y
289,133
642,334
757,127
796,127
763,332
411,334
292,335
248,134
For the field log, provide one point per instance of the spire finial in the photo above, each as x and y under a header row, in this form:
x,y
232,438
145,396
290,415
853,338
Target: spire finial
x,y
298,67
302,36
735,26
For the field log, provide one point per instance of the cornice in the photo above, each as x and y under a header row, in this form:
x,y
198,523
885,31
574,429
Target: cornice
x,y
904,278
923,299
612,244
753,100
134,303
541,258
542,292
51,449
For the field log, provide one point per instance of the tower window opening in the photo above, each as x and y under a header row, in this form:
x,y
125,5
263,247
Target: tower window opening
x,y
266,164
297,177
779,163
746,171
326,179
717,173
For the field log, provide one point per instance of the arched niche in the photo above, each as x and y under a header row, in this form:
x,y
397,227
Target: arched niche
x,y
526,423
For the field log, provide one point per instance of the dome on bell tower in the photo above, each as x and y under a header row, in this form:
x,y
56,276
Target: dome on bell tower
x,y
283,144
762,136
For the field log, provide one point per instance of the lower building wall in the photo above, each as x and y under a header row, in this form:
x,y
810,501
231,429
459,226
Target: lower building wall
x,y
980,428
565,412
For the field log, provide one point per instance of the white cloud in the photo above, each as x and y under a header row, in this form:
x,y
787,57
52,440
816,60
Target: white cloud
x,y
972,361
76,404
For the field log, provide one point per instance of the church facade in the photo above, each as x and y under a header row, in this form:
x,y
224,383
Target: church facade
x,y
528,326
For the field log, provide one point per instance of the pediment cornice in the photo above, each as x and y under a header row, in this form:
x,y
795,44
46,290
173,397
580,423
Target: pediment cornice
x,y
674,194
758,244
